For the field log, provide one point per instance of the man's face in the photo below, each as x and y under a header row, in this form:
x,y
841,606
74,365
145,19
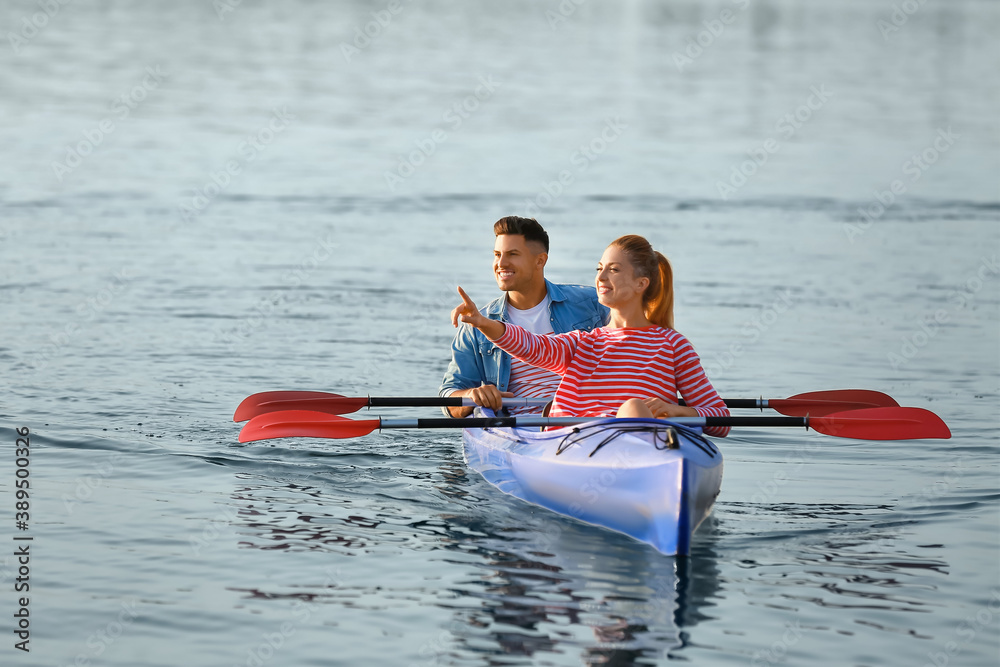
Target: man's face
x,y
517,264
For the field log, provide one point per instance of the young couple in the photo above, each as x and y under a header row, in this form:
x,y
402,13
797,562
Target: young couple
x,y
612,351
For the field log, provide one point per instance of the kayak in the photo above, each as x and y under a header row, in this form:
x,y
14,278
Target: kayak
x,y
651,479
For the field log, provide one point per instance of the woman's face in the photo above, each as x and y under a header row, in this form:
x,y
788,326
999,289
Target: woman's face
x,y
616,281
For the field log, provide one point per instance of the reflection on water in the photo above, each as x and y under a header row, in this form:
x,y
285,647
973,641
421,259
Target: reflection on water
x,y
538,584
549,587
613,602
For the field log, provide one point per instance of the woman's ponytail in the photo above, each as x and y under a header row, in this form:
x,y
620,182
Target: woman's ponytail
x,y
660,305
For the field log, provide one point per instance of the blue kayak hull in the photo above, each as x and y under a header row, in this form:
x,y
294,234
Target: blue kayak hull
x,y
632,483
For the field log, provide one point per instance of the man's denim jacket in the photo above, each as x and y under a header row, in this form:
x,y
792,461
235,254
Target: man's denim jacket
x,y
475,360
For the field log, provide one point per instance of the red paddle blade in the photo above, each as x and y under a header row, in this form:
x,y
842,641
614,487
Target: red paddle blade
x,y
882,424
320,401
820,403
305,424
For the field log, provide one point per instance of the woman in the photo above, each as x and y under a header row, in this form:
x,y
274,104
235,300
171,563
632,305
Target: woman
x,y
634,366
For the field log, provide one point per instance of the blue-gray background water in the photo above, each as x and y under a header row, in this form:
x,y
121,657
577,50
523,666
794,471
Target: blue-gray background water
x,y
201,201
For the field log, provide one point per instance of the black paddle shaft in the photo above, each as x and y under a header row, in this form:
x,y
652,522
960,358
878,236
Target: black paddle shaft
x,y
511,422
415,402
739,403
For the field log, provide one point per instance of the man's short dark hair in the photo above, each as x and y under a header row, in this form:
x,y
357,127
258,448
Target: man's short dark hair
x,y
526,227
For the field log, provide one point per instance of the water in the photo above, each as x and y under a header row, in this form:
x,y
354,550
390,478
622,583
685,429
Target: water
x,y
130,331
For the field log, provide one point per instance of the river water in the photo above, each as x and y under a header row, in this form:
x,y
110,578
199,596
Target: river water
x,y
199,202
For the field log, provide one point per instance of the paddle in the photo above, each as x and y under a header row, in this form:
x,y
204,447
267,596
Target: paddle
x,y
815,403
335,404
893,423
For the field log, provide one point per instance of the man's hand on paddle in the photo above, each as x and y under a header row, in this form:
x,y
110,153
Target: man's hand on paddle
x,y
488,396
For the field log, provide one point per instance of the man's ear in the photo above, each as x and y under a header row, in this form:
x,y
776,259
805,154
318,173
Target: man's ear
x,y
541,258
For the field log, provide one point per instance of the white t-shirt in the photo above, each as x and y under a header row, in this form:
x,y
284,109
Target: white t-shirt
x,y
536,320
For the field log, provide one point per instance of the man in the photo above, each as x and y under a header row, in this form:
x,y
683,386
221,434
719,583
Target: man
x,y
483,372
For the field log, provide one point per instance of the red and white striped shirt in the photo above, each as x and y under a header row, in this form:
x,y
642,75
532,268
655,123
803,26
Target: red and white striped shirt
x,y
603,368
